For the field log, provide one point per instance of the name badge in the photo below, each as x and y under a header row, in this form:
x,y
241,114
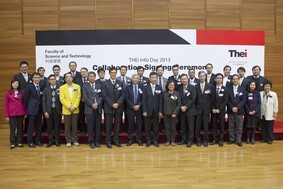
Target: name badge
x,y
220,94
251,98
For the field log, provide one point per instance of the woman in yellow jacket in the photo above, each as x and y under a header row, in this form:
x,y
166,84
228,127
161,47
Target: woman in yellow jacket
x,y
70,96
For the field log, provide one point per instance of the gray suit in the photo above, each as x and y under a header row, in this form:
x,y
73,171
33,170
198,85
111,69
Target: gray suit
x,y
163,81
93,116
127,81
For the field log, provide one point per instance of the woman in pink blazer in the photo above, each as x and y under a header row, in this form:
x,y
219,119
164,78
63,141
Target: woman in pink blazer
x,y
15,113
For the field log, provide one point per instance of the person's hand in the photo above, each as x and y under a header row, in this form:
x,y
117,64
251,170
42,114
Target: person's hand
x,y
184,108
136,107
144,114
274,115
173,115
7,118
214,111
72,109
235,109
46,115
217,111
94,106
160,115
115,105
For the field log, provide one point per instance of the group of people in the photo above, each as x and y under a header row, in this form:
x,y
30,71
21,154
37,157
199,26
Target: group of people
x,y
182,100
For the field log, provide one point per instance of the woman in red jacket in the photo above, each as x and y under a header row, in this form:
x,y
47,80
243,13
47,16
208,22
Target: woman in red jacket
x,y
15,112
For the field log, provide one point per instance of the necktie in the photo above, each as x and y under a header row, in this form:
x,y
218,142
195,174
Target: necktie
x,y
136,95
153,90
113,82
208,78
26,77
53,99
160,82
93,91
217,91
73,74
176,78
123,81
84,80
37,89
235,91
202,88
184,90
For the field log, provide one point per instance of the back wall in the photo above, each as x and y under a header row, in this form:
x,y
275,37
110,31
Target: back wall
x,y
20,18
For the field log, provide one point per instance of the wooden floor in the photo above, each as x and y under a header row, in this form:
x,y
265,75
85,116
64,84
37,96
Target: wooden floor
x,y
253,167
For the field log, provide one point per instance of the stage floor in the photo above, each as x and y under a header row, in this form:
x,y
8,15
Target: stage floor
x,y
257,166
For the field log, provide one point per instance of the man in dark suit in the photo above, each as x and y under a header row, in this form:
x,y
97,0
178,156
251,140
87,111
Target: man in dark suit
x,y
243,82
192,77
75,74
32,99
188,111
152,109
113,96
236,111
161,81
23,77
143,80
203,107
82,81
175,77
209,77
219,101
133,98
59,79
52,110
93,109
227,78
257,78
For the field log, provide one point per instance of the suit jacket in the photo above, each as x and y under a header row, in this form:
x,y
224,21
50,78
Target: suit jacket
x,y
171,103
271,105
46,100
43,83
88,96
177,82
245,83
259,81
195,82
60,81
212,79
188,98
203,101
14,106
144,81
129,98
152,104
127,82
229,81
164,81
253,103
32,100
113,94
67,100
22,81
238,101
77,77
220,101
100,81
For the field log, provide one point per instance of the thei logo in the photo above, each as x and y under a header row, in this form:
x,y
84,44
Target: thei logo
x,y
235,53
